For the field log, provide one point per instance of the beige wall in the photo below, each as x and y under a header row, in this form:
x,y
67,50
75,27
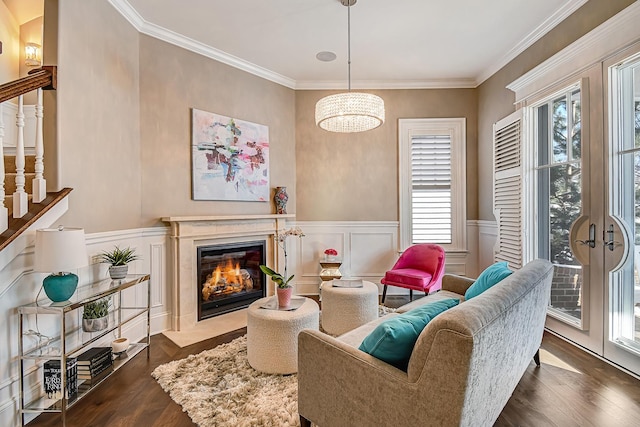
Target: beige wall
x,y
124,113
354,177
10,38
174,80
98,116
496,102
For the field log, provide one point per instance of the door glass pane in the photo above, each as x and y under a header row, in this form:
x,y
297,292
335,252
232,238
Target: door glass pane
x,y
560,130
625,283
559,179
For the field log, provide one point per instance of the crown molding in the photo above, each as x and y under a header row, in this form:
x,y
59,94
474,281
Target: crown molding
x,y
161,33
560,15
387,84
614,34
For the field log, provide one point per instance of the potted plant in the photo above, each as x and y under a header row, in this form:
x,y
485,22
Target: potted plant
x,y
118,258
284,289
95,315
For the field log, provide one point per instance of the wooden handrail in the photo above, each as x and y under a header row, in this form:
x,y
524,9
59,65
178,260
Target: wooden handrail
x,y
45,77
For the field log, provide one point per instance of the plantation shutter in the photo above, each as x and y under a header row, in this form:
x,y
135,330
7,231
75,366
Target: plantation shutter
x,y
431,188
507,189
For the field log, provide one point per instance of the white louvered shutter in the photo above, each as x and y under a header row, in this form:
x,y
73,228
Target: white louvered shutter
x,y
507,188
431,188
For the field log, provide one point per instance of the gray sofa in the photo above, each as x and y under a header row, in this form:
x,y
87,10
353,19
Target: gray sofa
x,y
462,371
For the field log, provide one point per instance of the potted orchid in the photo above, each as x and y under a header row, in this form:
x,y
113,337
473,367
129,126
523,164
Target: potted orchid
x,y
284,290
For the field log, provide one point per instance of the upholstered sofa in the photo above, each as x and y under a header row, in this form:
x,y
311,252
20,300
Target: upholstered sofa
x,y
463,369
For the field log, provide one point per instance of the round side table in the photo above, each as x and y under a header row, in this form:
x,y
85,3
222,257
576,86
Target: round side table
x,y
272,335
344,309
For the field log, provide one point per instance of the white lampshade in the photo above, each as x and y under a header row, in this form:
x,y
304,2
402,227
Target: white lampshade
x,y
60,250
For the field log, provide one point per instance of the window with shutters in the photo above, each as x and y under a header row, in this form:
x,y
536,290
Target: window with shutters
x,y
432,182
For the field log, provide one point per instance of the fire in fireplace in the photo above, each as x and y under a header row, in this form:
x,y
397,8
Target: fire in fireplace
x,y
229,277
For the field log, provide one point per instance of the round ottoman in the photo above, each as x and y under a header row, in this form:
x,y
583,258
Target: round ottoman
x,y
272,335
344,309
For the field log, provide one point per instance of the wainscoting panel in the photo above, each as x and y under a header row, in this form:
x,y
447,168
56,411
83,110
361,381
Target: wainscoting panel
x,y
487,238
367,249
9,111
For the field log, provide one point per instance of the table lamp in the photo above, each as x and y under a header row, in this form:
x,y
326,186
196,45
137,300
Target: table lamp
x,y
59,250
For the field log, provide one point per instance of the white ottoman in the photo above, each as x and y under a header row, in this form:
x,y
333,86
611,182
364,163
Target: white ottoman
x,y
344,309
272,335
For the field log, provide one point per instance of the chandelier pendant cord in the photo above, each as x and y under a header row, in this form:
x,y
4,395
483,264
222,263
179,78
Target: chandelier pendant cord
x,y
349,42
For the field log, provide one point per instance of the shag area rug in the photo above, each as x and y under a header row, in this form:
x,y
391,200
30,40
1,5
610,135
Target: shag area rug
x,y
219,388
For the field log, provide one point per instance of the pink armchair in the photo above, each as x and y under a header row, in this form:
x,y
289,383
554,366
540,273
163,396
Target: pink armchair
x,y
420,267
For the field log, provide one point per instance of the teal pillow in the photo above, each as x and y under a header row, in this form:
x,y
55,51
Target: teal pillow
x,y
489,277
392,341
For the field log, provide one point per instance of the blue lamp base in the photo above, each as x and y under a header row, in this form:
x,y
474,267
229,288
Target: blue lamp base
x,y
60,287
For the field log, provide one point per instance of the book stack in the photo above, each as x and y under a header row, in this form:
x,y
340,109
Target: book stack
x,y
94,364
53,379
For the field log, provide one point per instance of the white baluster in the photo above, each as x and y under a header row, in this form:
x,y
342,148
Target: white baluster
x,y
4,212
39,183
20,202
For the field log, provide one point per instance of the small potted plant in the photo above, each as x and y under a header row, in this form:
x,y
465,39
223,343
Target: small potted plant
x,y
95,315
118,258
284,289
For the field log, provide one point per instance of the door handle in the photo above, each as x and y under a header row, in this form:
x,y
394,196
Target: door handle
x,y
591,242
611,244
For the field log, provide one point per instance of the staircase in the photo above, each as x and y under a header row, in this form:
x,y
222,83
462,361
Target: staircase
x,y
32,205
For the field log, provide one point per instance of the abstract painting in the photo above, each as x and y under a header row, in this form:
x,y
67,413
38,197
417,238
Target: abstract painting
x,y
230,158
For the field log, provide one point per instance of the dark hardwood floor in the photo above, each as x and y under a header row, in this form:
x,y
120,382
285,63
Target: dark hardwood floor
x,y
571,388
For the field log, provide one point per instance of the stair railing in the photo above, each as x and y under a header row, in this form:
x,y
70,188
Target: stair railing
x,y
43,78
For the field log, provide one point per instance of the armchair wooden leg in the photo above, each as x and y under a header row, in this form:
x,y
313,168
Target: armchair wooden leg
x,y
304,422
536,358
410,294
384,293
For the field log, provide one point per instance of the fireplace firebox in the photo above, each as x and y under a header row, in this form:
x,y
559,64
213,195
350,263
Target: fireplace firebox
x,y
229,277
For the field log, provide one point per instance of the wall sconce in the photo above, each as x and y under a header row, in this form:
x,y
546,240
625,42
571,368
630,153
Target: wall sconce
x,y
32,55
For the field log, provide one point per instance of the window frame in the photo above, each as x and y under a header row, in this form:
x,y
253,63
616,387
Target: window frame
x,y
456,129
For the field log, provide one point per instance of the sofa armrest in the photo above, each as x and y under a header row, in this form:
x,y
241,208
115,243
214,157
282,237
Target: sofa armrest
x,y
341,385
457,284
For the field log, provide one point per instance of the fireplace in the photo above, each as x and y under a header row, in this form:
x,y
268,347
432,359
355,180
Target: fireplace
x,y
229,277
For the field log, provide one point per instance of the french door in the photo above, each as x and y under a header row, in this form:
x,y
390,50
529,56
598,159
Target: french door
x,y
566,177
585,174
622,218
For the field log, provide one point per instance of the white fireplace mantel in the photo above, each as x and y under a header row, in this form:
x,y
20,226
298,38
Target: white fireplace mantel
x,y
189,232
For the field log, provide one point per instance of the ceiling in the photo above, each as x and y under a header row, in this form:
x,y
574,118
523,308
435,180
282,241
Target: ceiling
x,y
394,44
25,10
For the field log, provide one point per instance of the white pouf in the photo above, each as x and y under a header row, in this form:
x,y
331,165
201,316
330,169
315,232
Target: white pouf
x,y
344,309
272,335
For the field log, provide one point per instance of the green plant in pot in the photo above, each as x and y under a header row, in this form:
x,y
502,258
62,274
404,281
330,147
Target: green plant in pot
x,y
284,290
119,260
95,315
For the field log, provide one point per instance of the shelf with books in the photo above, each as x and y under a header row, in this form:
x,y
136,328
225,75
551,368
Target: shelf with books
x,y
40,361
46,404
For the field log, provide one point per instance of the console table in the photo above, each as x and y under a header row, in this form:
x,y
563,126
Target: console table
x,y
71,340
